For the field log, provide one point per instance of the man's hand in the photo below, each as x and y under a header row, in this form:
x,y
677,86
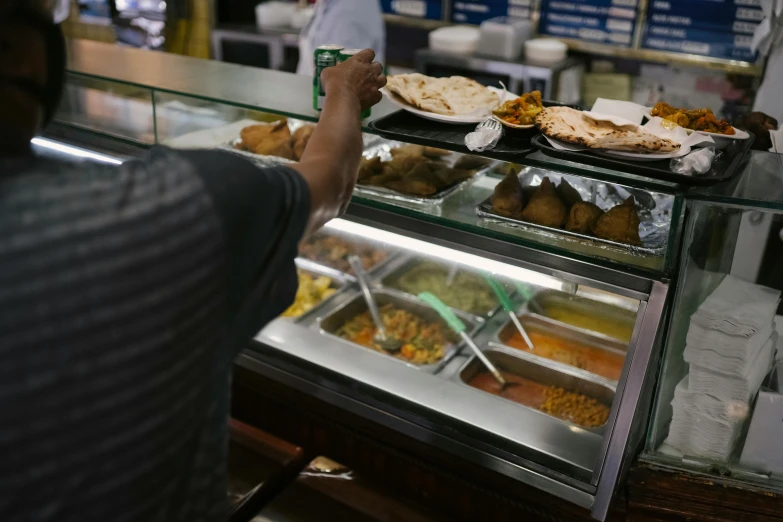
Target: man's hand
x,y
358,77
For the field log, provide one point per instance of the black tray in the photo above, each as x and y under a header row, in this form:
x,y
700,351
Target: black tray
x,y
723,168
409,128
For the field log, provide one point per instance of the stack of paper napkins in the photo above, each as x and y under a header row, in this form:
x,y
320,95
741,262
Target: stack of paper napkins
x,y
730,347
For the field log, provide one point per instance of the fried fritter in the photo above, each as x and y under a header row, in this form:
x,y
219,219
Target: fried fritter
x,y
403,164
407,150
449,177
369,168
568,194
469,162
268,139
582,217
508,200
545,208
301,138
434,153
621,224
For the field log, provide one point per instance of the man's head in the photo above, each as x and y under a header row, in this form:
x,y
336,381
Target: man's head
x,y
32,65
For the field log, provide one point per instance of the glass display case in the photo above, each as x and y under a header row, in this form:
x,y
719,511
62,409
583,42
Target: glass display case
x,y
718,405
576,405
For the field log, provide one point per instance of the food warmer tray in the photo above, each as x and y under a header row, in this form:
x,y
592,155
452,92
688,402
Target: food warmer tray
x,y
382,148
543,371
539,323
654,215
329,323
407,127
723,168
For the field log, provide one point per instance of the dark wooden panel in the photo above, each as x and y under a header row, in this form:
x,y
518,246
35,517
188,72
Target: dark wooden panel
x,y
433,478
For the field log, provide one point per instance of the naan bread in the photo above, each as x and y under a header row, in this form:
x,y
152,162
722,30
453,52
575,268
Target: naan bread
x,y
572,126
449,96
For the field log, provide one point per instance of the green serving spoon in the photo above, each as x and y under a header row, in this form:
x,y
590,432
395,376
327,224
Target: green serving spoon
x,y
458,326
508,306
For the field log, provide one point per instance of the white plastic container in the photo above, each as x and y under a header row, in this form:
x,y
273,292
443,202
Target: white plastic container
x,y
275,14
458,39
503,37
545,51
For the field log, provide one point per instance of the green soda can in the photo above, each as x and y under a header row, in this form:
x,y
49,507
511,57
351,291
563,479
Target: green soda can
x,y
346,54
325,56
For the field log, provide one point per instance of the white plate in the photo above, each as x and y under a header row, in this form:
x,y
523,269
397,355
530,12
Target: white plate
x,y
739,133
475,117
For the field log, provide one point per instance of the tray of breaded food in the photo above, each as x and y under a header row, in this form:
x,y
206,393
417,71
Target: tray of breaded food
x,y
415,173
584,210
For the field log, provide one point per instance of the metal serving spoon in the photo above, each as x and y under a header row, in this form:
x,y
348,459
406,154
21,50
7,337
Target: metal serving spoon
x,y
381,338
458,326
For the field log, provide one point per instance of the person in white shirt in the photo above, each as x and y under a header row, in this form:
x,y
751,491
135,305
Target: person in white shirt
x,y
354,24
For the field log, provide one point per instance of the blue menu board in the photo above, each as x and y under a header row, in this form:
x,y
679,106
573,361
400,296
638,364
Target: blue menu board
x,y
600,21
476,11
717,28
425,9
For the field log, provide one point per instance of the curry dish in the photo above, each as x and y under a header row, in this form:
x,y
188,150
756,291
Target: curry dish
x,y
594,360
702,120
573,407
522,111
333,252
311,292
423,342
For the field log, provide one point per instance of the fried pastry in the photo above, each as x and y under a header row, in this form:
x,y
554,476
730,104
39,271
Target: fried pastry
x,y
582,217
301,138
568,194
621,224
469,162
508,200
434,152
403,164
421,181
545,208
369,168
449,177
407,150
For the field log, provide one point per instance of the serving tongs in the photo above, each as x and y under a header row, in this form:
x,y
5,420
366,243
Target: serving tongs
x,y
459,327
508,306
381,338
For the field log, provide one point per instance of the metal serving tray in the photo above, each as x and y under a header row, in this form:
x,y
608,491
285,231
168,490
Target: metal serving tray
x,y
537,323
588,307
264,160
339,282
654,216
332,322
391,276
541,371
383,148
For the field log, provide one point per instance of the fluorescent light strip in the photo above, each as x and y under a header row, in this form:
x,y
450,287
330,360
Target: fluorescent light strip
x,y
73,151
471,261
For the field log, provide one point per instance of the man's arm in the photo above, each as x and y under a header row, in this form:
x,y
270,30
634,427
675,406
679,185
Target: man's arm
x,y
331,160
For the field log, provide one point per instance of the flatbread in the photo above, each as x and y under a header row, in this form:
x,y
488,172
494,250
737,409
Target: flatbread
x,y
573,126
448,96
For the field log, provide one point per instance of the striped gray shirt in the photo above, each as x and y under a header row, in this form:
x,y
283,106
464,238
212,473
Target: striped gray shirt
x,y
125,295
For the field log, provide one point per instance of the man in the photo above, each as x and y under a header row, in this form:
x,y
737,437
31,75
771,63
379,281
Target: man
x,y
127,292
354,24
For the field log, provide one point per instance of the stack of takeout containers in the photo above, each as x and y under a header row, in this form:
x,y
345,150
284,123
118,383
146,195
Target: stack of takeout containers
x,y
730,348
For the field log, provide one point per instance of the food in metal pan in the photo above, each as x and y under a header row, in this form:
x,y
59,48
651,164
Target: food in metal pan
x,y
521,111
333,252
570,406
423,342
508,199
452,96
618,325
620,224
415,170
575,127
470,162
275,139
594,360
311,292
545,208
702,120
467,292
582,217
